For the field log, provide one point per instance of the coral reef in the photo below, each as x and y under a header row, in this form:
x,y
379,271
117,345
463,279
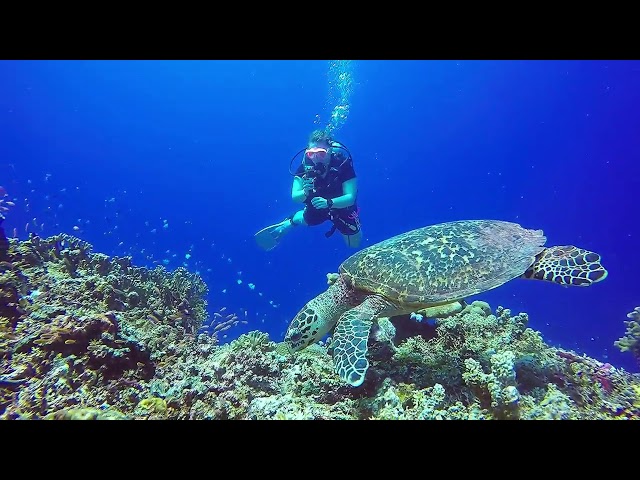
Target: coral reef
x,y
82,329
631,341
89,337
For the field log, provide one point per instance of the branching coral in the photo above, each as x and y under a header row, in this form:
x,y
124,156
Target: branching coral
x,y
496,389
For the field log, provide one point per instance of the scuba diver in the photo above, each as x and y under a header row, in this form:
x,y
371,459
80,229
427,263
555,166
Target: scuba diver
x,y
326,183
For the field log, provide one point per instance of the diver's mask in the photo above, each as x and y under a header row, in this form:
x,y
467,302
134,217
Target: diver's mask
x,y
317,154
320,157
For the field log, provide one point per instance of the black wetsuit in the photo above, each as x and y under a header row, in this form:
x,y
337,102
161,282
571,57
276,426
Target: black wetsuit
x,y
346,219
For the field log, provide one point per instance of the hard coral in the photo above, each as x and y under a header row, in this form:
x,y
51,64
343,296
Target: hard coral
x,y
631,341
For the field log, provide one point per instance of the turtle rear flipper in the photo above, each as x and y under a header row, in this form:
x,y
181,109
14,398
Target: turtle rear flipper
x,y
567,265
350,338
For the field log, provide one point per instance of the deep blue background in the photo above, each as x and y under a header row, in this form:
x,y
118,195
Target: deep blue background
x,y
118,147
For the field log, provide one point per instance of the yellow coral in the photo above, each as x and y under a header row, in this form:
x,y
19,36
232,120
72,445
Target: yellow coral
x,y
154,404
404,392
636,390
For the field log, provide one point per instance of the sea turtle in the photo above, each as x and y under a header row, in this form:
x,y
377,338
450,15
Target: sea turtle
x,y
430,266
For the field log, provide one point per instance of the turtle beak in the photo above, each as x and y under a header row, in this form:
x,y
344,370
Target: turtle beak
x,y
295,340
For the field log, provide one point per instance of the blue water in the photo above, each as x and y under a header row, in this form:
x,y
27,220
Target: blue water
x,y
160,159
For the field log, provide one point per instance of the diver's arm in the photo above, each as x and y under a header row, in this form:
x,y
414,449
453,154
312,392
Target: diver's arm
x,y
349,194
297,192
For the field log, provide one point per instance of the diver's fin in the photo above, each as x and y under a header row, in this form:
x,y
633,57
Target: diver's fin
x,y
268,238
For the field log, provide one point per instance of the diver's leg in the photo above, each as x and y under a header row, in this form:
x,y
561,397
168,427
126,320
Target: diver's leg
x,y
288,223
348,223
353,241
298,218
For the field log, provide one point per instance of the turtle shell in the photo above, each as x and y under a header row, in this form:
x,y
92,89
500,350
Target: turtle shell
x,y
444,262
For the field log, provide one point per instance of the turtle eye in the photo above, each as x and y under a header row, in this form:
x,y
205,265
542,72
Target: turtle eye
x,y
295,337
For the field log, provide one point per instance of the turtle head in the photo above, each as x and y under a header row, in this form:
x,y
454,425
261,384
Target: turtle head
x,y
317,317
307,327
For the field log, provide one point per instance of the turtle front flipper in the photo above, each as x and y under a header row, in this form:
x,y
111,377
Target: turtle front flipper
x,y
567,265
351,336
